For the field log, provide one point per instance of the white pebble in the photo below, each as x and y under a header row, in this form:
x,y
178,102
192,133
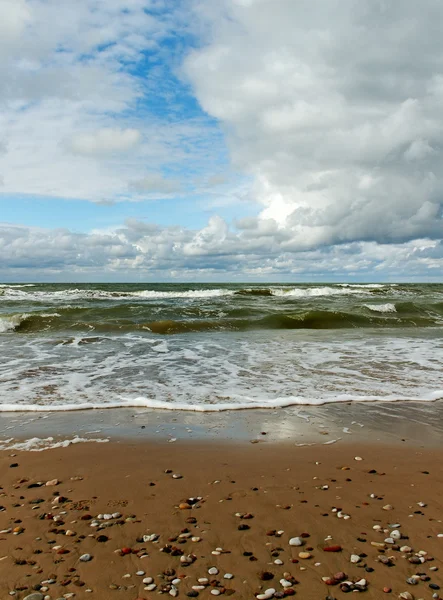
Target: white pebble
x,y
228,576
148,580
213,571
355,558
296,541
215,592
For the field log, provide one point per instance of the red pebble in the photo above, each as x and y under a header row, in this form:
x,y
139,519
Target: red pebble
x,y
387,590
288,592
333,549
331,581
126,550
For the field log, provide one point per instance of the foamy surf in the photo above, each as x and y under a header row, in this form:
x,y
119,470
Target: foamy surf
x,y
381,308
249,404
36,444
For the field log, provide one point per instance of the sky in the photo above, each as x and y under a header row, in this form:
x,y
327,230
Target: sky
x,y
221,140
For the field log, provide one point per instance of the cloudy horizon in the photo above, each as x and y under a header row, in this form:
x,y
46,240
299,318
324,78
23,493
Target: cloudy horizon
x,y
221,140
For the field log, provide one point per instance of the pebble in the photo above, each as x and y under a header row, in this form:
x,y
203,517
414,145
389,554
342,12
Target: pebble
x,y
304,555
151,587
35,596
213,571
215,592
355,559
86,557
387,590
396,534
173,592
358,458
406,596
148,580
177,476
52,482
228,576
296,541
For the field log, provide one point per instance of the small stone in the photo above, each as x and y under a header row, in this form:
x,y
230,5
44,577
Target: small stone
x,y
358,458
52,482
396,534
147,580
215,592
355,559
296,541
173,592
389,507
304,555
213,571
86,557
177,476
406,596
228,576
406,549
35,596
387,590
335,548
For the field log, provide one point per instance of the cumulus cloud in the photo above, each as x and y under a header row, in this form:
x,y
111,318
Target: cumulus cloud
x,y
334,107
80,88
105,141
215,252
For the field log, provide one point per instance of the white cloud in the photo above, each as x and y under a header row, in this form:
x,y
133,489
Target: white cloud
x,y
334,107
105,141
80,89
256,251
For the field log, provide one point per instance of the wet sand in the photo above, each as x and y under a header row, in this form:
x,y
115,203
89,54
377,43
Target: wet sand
x,y
234,509
416,423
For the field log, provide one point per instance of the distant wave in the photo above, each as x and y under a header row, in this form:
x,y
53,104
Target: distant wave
x,y
15,293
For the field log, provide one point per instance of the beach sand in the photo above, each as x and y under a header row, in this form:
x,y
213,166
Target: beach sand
x,y
205,491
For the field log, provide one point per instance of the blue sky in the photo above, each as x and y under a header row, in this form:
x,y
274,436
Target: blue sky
x,y
218,140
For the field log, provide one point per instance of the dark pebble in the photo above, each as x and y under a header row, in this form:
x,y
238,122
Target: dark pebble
x,y
13,465
434,586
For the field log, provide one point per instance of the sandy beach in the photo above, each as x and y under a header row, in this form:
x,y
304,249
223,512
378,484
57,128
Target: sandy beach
x,y
133,520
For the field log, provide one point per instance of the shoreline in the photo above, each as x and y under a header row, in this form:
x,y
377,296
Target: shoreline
x,y
413,423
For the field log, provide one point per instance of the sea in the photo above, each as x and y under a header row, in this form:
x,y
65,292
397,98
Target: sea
x,y
218,347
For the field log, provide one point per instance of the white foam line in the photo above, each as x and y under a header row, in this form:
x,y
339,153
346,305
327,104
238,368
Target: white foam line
x,y
251,404
38,444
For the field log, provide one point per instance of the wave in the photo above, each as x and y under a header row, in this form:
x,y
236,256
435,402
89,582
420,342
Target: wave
x,y
312,319
381,308
91,294
242,403
17,285
18,321
316,319
15,293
